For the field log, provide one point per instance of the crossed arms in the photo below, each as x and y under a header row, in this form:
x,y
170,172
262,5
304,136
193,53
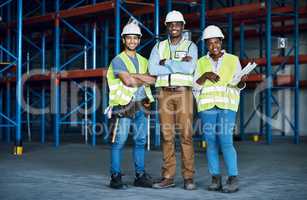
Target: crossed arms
x,y
136,80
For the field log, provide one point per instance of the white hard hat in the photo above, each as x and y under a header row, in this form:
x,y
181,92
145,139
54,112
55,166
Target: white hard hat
x,y
174,16
131,29
212,31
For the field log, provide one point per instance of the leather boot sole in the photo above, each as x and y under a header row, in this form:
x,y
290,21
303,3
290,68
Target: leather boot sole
x,y
230,191
156,186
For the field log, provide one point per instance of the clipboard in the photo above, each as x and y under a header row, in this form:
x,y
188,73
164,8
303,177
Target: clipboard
x,y
246,70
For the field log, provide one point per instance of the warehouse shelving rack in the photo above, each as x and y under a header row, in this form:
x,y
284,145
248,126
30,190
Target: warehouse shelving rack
x,y
93,28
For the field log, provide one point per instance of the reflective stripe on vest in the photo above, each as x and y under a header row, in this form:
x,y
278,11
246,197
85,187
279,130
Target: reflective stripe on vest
x,y
175,79
218,94
120,94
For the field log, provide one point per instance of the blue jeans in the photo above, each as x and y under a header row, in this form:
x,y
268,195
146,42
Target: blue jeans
x,y
217,126
139,130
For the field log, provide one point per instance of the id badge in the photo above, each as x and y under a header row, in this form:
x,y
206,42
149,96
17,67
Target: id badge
x,y
180,54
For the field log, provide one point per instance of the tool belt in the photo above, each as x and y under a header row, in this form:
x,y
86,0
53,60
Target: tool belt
x,y
131,108
127,111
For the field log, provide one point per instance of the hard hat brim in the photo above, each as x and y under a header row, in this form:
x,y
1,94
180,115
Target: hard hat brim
x,y
174,21
212,37
122,35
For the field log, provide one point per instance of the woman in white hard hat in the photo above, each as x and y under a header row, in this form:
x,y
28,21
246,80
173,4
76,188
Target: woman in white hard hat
x,y
129,87
217,104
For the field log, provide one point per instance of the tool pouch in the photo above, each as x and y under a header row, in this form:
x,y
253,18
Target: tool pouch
x,y
131,108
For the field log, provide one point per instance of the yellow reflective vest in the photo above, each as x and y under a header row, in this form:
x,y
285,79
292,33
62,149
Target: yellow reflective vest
x,y
175,79
219,94
119,93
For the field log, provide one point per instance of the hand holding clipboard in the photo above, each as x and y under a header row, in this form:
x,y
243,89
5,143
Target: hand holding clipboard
x,y
245,71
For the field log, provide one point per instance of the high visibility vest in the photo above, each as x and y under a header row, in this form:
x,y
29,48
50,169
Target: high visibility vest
x,y
175,79
219,94
119,93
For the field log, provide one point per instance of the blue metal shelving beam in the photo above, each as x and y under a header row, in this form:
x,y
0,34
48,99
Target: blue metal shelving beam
x,y
242,118
94,86
261,96
56,88
268,101
8,110
8,53
10,120
75,109
7,67
33,103
76,122
271,74
221,3
229,29
282,65
75,30
169,6
5,3
145,44
31,58
90,45
81,53
72,59
105,95
117,27
156,105
19,87
7,126
33,11
28,40
77,4
297,72
139,22
249,119
1,111
281,110
202,25
80,87
1,89
8,39
43,67
32,121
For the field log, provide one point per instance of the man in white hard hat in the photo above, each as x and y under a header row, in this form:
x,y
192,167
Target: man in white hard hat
x,y
129,88
217,105
173,61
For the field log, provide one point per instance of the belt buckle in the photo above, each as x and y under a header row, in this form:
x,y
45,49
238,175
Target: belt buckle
x,y
173,88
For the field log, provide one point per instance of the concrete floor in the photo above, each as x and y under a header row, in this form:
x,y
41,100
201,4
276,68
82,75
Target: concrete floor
x,y
78,171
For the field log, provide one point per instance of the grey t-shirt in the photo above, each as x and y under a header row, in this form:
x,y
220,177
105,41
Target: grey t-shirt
x,y
119,66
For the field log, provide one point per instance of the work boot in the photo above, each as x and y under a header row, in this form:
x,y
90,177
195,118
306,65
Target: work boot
x,y
189,184
143,180
164,183
116,181
232,185
216,183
